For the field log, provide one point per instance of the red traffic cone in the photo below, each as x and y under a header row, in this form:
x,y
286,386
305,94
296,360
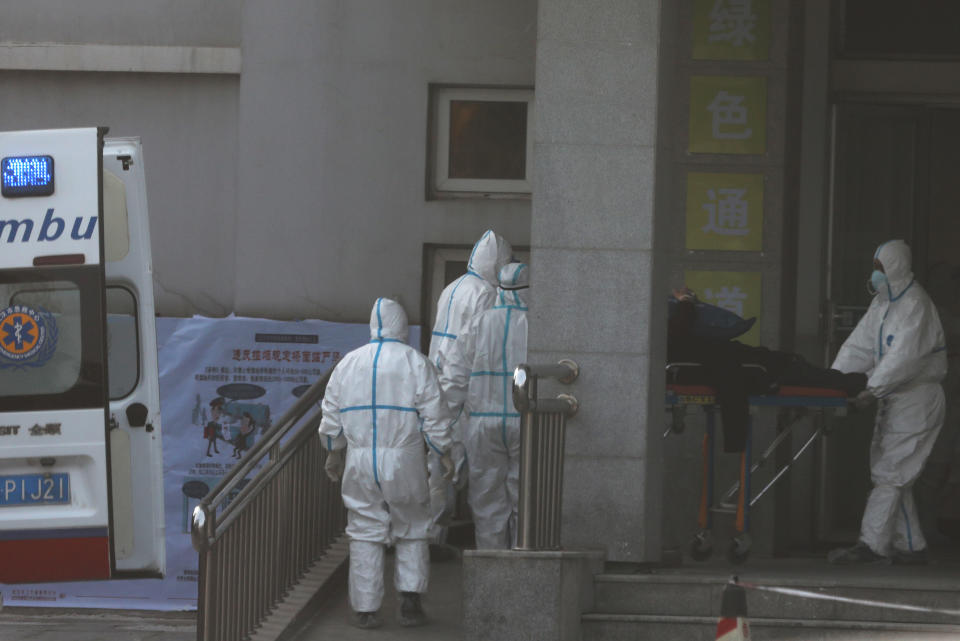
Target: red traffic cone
x,y
733,624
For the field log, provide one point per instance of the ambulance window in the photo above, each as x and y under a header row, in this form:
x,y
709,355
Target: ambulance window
x,y
116,229
123,350
40,337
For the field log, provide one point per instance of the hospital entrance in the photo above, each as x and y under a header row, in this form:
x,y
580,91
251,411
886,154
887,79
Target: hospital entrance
x,y
894,177
875,129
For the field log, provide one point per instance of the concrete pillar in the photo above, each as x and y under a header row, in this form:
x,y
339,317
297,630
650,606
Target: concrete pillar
x,y
597,282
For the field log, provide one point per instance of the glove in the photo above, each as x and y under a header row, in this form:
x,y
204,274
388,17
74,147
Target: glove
x,y
459,455
334,465
449,469
864,399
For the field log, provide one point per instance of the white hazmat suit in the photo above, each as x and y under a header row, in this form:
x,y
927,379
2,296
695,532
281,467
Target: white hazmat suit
x,y
899,343
459,302
479,377
383,403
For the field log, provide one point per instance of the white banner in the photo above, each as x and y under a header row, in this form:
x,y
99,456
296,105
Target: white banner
x,y
223,381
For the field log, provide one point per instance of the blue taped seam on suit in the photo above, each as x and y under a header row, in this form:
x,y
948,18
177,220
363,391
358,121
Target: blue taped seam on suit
x,y
376,476
903,510
399,408
503,420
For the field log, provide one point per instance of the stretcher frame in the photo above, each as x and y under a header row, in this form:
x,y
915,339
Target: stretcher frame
x,y
793,403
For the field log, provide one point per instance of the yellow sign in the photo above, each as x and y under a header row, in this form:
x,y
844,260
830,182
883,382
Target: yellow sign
x,y
728,115
731,29
738,292
725,211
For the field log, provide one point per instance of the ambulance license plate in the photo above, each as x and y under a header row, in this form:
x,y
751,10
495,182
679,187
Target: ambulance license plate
x,y
34,489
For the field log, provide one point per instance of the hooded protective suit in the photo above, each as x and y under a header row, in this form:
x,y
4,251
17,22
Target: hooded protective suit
x,y
479,377
383,403
899,343
459,302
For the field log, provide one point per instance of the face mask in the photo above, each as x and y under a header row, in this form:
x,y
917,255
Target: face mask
x,y
877,281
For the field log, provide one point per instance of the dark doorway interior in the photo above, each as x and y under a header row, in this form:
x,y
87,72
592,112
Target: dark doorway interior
x,y
896,176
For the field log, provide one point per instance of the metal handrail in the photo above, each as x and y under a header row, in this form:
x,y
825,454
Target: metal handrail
x,y
265,524
542,427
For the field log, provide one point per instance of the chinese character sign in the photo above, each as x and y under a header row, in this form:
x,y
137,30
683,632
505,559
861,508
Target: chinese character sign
x,y
728,114
731,29
725,211
739,292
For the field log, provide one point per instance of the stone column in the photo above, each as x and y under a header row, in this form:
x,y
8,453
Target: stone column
x,y
598,284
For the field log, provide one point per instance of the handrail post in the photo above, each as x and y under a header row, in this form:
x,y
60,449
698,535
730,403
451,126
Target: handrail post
x,y
542,426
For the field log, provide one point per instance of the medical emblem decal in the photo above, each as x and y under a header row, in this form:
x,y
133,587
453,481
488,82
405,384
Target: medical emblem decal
x,y
28,336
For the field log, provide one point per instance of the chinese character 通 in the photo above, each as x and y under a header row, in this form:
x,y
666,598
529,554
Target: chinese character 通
x,y
728,214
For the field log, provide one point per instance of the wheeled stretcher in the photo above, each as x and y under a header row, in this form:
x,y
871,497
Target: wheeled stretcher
x,y
793,404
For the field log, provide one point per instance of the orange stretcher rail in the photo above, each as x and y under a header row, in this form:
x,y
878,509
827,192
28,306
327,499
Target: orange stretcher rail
x,y
792,403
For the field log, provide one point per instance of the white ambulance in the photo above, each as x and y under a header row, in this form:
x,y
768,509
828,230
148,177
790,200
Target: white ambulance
x,y
81,485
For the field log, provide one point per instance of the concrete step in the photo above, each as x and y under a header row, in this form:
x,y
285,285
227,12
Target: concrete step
x,y
633,627
700,596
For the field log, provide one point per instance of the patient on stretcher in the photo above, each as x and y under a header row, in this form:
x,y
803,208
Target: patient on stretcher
x,y
701,333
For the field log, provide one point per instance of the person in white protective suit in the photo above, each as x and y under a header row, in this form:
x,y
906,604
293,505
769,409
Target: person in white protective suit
x,y
384,405
479,377
899,343
461,300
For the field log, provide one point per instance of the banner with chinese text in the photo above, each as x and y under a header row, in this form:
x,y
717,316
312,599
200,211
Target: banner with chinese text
x,y
728,115
223,381
725,211
738,292
731,29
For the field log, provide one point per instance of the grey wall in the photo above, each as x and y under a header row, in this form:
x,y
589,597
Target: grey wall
x,y
596,280
296,188
188,127
127,22
332,155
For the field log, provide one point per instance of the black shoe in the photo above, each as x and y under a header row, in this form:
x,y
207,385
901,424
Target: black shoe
x,y
411,612
365,620
903,557
859,554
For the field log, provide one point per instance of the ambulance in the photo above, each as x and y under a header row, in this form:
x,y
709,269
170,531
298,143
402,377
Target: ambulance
x,y
81,485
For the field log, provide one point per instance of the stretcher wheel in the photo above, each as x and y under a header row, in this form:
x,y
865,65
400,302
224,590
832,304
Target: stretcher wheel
x,y
739,549
701,547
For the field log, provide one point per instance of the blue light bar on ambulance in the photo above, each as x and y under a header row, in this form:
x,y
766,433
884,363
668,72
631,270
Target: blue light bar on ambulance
x,y
27,176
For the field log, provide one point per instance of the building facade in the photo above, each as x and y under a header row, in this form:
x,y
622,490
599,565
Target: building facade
x,y
301,163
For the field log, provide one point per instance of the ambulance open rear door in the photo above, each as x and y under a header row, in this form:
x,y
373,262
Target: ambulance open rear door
x,y
80,466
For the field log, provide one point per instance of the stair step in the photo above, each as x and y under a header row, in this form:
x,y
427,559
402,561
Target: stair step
x,y
620,627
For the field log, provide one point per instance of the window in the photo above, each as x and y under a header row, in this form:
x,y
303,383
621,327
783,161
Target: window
x,y
50,339
481,141
116,234
123,350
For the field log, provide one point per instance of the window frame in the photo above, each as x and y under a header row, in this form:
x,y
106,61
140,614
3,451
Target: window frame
x,y
90,389
439,186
